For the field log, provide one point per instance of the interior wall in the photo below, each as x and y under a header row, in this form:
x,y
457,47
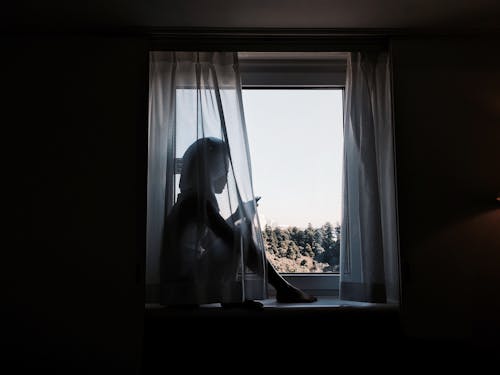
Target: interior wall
x,y
74,123
447,118
74,131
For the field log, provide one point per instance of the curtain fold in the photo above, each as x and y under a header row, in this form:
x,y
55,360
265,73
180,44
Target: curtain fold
x,y
369,247
204,242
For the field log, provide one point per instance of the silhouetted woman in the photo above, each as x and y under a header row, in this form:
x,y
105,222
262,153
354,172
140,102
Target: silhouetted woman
x,y
201,253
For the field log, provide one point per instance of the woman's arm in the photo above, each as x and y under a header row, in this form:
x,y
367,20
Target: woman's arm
x,y
219,226
228,233
250,208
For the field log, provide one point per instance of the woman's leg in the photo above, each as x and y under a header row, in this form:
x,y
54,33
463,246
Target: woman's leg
x,y
285,292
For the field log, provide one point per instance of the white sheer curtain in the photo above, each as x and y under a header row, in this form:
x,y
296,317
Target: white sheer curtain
x,y
369,247
204,242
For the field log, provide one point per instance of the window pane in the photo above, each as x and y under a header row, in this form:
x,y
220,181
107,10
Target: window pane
x,y
295,138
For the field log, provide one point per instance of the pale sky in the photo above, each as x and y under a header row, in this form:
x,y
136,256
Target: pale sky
x,y
295,139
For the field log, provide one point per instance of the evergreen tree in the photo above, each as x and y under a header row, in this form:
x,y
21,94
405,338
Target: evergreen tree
x,y
308,251
318,236
309,234
328,242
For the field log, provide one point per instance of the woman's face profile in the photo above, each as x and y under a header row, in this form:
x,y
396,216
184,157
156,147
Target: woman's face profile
x,y
219,184
219,181
205,166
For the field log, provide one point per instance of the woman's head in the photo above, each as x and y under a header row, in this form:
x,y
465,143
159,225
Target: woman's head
x,y
205,166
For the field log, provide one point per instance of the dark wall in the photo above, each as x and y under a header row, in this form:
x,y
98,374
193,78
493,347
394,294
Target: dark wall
x,y
74,133
447,116
74,112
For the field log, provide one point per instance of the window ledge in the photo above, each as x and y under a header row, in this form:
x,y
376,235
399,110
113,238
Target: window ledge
x,y
323,303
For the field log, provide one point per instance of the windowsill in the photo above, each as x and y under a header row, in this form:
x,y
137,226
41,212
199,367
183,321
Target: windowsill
x,y
323,303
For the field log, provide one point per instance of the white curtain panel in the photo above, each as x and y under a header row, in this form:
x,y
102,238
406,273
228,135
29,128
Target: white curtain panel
x,y
369,246
204,242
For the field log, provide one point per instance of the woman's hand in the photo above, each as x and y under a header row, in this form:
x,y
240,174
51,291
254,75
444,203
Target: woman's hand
x,y
248,207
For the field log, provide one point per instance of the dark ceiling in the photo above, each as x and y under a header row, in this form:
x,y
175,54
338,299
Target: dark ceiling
x,y
355,14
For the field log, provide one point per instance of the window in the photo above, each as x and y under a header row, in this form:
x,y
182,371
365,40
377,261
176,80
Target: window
x,y
369,239
294,114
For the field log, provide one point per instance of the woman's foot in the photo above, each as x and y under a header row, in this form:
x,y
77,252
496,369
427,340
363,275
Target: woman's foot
x,y
291,294
247,304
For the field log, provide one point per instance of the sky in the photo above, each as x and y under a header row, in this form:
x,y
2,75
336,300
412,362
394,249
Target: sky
x,y
295,139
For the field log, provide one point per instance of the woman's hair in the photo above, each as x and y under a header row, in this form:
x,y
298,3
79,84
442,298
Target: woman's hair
x,y
203,162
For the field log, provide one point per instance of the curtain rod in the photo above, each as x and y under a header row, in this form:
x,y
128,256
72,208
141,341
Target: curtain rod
x,y
282,32
306,40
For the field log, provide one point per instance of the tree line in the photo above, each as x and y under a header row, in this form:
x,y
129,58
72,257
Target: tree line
x,y
303,250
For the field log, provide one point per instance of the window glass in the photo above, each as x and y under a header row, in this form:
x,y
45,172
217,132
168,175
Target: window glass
x,y
296,138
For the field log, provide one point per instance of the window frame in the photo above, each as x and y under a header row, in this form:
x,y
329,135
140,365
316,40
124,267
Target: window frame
x,y
285,70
